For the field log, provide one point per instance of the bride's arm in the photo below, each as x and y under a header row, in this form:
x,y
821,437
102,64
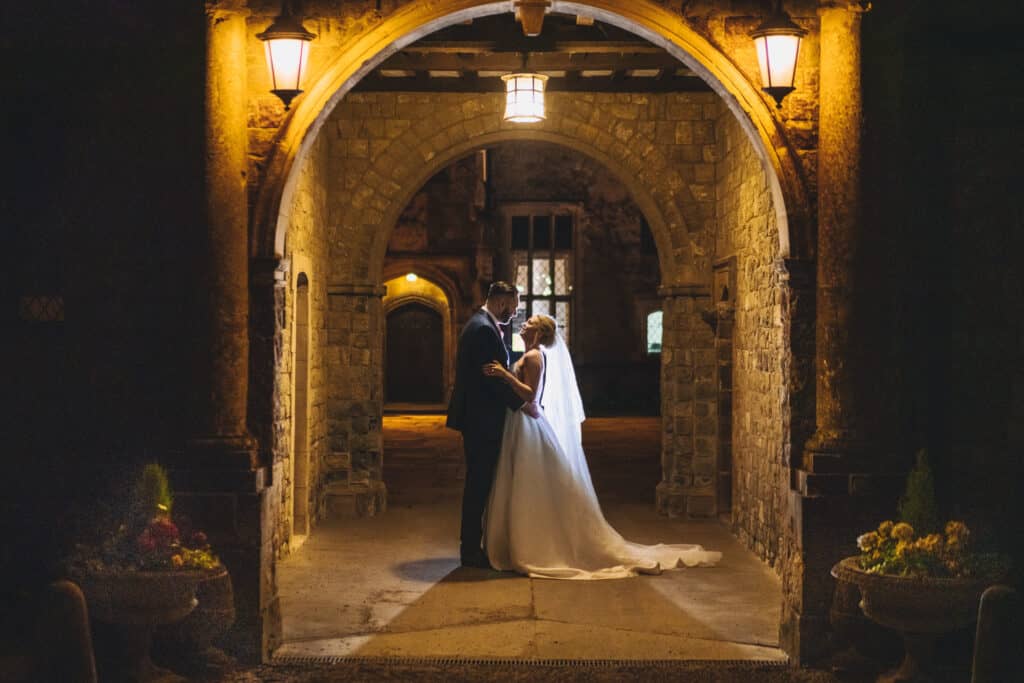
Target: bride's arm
x,y
526,390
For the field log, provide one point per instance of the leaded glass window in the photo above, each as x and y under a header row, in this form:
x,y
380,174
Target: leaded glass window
x,y
541,247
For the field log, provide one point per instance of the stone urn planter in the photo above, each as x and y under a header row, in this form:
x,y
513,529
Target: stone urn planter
x,y
132,604
920,609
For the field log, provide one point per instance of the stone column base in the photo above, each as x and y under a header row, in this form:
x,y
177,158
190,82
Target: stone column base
x,y
222,490
826,521
675,500
804,637
349,501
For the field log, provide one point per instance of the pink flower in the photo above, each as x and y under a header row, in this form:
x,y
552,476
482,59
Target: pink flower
x,y
163,530
145,542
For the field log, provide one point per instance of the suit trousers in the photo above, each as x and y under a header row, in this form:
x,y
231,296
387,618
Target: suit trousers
x,y
481,451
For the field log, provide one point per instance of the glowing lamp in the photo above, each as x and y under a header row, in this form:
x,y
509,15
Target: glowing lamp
x,y
411,277
286,43
524,97
777,42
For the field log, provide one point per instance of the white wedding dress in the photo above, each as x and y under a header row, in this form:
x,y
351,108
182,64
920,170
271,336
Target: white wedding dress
x,y
543,518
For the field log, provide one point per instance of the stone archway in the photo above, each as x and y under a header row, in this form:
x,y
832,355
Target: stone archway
x,y
426,292
277,160
366,219
413,354
366,49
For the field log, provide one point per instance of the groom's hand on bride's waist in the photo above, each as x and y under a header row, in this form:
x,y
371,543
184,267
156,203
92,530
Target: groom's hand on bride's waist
x,y
531,409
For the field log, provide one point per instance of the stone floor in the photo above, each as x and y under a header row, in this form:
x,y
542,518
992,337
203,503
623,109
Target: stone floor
x,y
391,585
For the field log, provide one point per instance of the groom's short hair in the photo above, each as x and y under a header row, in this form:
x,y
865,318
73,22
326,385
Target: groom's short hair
x,y
501,288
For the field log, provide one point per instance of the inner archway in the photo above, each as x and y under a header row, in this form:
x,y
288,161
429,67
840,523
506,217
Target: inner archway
x,y
414,360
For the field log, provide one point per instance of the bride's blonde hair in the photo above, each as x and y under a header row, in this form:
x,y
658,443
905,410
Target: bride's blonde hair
x,y
545,329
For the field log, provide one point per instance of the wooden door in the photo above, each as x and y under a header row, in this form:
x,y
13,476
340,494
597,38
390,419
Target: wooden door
x,y
415,356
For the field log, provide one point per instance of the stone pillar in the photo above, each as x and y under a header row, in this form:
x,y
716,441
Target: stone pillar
x,y
226,277
219,480
836,484
688,405
353,476
839,437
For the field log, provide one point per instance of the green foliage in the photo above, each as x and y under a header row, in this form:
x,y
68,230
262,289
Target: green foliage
x,y
151,497
918,506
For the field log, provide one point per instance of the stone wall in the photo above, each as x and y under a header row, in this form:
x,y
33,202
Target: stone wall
x,y
759,382
688,406
305,253
354,466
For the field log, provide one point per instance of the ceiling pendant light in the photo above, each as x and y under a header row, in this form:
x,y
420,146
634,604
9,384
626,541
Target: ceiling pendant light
x,y
524,96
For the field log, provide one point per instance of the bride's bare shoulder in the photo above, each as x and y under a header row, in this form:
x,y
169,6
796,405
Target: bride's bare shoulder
x,y
532,357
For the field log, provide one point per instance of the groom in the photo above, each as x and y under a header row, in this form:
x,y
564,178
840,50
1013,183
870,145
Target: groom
x,y
477,409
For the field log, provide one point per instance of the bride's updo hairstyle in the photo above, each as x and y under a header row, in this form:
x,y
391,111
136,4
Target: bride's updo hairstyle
x,y
545,329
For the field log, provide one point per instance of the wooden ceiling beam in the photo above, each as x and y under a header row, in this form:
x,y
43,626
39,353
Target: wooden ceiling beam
x,y
569,46
538,61
571,83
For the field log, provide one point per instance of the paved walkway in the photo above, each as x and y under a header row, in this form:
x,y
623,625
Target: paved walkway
x,y
391,585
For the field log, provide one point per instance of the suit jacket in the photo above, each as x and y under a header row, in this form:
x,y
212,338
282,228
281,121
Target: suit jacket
x,y
478,402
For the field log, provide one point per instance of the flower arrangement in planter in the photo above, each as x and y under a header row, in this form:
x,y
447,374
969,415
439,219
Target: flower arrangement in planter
x,y
917,577
893,549
143,574
917,545
149,540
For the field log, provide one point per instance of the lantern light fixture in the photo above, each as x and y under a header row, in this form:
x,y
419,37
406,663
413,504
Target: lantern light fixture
x,y
286,43
524,95
777,41
411,277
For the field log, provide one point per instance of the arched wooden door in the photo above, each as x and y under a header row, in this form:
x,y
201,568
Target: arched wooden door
x,y
414,372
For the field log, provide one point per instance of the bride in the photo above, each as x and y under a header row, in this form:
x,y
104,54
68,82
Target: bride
x,y
543,518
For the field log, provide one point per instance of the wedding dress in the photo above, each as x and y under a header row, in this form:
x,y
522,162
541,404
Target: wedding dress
x,y
543,518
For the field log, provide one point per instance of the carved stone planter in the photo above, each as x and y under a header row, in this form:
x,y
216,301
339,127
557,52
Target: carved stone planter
x,y
920,609
133,604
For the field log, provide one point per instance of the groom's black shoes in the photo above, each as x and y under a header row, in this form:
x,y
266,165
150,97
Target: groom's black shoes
x,y
477,559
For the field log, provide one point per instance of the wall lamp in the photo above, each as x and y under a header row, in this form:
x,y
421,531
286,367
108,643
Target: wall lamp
x,y
286,42
777,41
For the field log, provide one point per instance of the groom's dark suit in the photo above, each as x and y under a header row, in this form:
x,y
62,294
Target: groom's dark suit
x,y
477,409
